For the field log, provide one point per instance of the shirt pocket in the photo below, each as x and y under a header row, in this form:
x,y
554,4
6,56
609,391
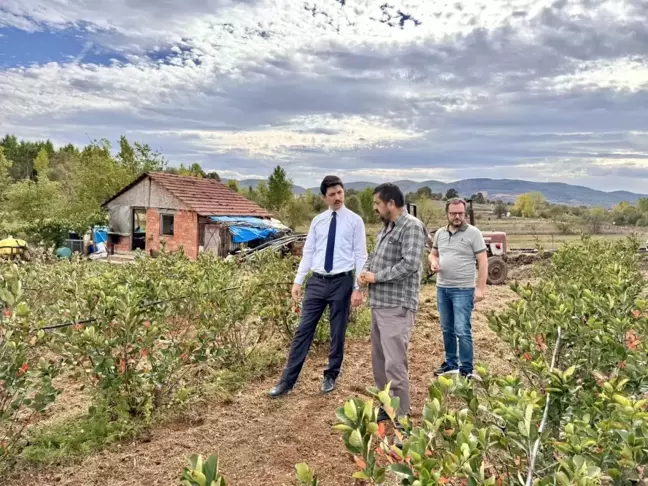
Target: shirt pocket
x,y
394,247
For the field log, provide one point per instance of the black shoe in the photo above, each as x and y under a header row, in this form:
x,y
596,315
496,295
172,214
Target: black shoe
x,y
328,385
382,415
444,368
281,389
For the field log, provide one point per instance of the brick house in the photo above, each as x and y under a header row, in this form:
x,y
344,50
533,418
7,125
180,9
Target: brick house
x,y
182,211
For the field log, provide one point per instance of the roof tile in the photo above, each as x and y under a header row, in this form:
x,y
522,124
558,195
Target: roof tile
x,y
208,197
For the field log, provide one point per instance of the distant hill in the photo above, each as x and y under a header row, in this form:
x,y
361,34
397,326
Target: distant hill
x,y
509,189
504,189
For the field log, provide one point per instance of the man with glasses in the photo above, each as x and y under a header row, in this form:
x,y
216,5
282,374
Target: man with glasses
x,y
456,247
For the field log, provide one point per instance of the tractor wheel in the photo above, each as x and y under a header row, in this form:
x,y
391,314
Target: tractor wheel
x,y
497,271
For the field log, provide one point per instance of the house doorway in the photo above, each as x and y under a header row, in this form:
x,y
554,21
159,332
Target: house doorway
x,y
139,229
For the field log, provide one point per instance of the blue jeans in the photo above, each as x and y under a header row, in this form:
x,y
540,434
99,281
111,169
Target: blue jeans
x,y
455,310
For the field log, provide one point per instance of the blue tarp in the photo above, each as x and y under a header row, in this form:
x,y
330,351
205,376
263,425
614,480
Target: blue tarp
x,y
100,234
251,229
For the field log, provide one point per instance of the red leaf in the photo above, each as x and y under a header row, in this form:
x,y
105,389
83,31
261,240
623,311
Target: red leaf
x,y
632,340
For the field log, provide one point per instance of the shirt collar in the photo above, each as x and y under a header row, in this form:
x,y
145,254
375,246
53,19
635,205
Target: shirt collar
x,y
399,220
463,227
342,209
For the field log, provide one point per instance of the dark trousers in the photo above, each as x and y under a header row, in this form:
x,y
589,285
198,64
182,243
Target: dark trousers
x,y
320,292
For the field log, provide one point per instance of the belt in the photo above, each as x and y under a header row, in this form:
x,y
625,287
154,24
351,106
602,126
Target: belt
x,y
332,276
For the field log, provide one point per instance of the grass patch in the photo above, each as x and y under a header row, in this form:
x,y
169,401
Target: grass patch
x,y
78,437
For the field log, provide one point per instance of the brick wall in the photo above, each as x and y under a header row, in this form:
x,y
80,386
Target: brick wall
x,y
185,232
123,243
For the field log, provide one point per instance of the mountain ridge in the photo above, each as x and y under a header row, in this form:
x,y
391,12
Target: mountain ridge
x,y
503,189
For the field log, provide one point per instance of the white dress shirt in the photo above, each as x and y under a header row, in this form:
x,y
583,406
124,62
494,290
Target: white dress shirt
x,y
350,245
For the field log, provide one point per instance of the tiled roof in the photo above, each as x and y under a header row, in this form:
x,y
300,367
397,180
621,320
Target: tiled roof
x,y
207,197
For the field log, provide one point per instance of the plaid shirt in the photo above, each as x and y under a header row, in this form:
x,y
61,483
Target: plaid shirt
x,y
397,263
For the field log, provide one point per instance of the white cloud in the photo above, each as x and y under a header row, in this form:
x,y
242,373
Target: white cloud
x,y
617,74
303,134
496,87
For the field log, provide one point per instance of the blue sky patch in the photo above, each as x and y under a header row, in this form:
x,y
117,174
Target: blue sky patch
x,y
21,48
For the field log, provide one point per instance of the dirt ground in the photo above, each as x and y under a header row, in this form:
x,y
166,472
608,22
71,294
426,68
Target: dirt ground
x,y
259,440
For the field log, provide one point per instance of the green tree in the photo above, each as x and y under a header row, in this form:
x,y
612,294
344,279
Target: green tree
x,y
95,177
428,211
478,198
139,158
22,155
366,201
451,193
295,213
595,219
62,163
42,165
5,178
353,203
423,192
260,194
194,170
314,202
625,214
32,204
642,204
233,185
529,204
500,210
279,189
213,175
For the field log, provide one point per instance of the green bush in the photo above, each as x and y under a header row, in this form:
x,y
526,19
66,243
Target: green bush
x,y
576,413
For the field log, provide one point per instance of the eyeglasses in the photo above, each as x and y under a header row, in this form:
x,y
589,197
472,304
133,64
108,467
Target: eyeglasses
x,y
457,214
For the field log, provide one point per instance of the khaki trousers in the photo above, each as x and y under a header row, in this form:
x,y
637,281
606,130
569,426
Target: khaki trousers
x,y
391,329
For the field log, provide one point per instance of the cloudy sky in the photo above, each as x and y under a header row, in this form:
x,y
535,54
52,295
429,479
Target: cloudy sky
x,y
371,90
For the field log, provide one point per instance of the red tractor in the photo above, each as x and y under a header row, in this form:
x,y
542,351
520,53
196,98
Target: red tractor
x,y
497,249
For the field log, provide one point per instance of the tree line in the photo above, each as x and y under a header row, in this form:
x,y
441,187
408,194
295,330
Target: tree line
x,y
47,192
567,218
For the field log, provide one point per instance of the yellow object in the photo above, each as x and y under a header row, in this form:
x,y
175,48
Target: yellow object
x,y
12,246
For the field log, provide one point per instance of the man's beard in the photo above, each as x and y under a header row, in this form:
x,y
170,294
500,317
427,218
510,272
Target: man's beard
x,y
456,225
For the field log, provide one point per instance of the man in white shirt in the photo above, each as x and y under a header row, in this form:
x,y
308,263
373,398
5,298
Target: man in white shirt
x,y
335,251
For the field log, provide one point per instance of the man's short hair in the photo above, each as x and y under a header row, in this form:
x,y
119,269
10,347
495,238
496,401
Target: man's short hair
x,y
390,192
455,200
328,182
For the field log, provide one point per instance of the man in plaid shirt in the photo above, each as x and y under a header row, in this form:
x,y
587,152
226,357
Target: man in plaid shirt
x,y
393,272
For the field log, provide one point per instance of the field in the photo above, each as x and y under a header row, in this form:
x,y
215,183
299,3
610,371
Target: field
x,y
118,421
531,233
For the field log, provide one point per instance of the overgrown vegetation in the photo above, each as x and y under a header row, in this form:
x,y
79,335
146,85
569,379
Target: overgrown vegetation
x,y
574,413
145,341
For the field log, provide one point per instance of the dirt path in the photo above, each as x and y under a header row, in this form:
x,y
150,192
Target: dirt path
x,y
259,440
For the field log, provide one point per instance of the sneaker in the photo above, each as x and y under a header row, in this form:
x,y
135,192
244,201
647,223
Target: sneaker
x,y
443,369
470,376
382,415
